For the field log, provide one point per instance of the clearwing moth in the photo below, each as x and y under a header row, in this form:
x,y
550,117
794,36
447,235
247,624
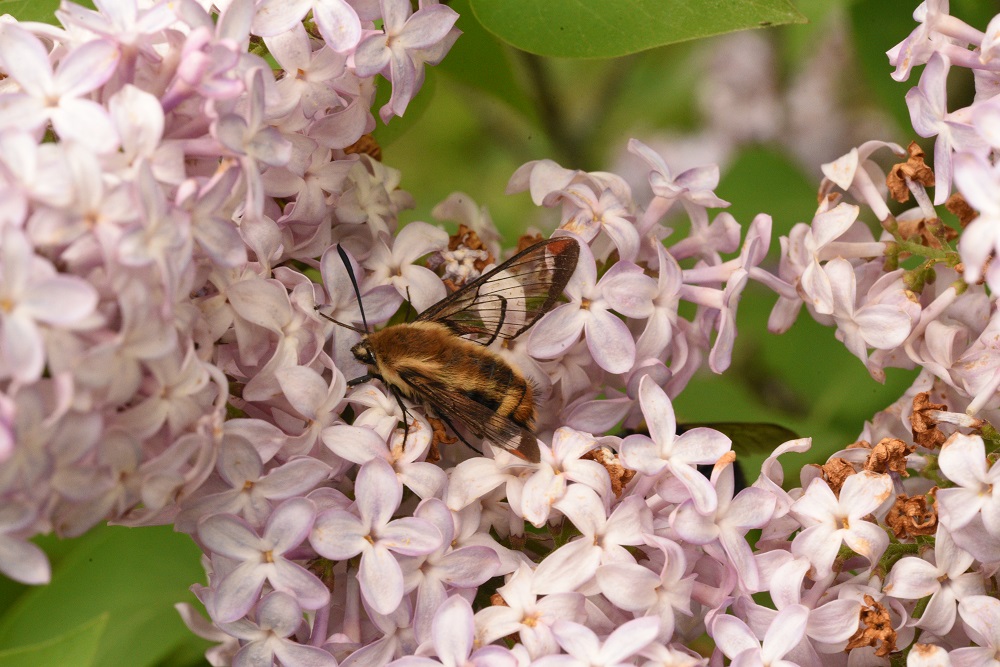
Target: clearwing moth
x,y
442,358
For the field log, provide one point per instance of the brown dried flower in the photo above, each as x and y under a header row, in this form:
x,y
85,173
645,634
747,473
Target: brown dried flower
x,y
913,169
836,471
889,455
620,477
366,145
925,428
875,629
911,516
960,208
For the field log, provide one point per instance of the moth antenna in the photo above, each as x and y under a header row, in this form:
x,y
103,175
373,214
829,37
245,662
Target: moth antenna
x,y
354,283
346,326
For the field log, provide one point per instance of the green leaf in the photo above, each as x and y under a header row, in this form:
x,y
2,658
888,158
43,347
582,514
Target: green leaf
x,y
31,10
36,10
134,575
77,646
602,29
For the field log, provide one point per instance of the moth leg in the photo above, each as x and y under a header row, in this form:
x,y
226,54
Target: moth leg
x,y
500,320
361,380
454,430
406,413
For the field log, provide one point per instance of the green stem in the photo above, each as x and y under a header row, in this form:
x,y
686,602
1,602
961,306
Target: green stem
x,y
550,113
923,251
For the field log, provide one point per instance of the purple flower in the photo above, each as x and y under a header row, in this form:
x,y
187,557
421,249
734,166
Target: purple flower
x,y
694,188
977,485
979,183
584,649
261,558
624,288
603,539
34,294
946,581
452,635
360,445
662,322
738,643
121,21
177,391
829,622
585,213
57,97
19,559
447,567
831,521
560,465
397,266
928,106
981,616
337,20
935,34
340,535
256,143
308,72
853,173
808,245
395,52
527,614
251,489
882,320
727,526
663,450
638,589
279,617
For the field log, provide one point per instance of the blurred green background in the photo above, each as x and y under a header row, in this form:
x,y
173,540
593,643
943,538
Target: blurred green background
x,y
770,105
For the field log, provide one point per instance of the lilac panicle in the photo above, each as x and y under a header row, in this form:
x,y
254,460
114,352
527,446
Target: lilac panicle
x,y
171,212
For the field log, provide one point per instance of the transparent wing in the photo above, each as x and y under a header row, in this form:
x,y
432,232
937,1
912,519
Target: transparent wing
x,y
506,301
482,420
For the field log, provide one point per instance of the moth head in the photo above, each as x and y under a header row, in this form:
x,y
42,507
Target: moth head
x,y
363,353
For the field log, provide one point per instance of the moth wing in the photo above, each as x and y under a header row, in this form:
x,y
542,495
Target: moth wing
x,y
482,420
506,301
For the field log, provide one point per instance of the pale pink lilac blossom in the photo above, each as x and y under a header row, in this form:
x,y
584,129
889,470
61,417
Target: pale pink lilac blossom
x,y
164,361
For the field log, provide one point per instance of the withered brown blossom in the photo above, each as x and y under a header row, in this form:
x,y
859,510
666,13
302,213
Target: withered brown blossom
x,y
930,232
465,239
889,455
468,238
924,427
836,471
960,208
527,240
620,477
875,629
913,169
366,145
910,516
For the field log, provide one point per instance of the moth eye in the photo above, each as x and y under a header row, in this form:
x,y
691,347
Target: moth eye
x,y
363,354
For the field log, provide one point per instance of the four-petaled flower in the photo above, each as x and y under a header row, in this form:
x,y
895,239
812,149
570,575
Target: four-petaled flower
x,y
374,534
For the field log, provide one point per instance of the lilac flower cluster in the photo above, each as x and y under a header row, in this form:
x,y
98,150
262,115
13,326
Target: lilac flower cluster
x,y
171,206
